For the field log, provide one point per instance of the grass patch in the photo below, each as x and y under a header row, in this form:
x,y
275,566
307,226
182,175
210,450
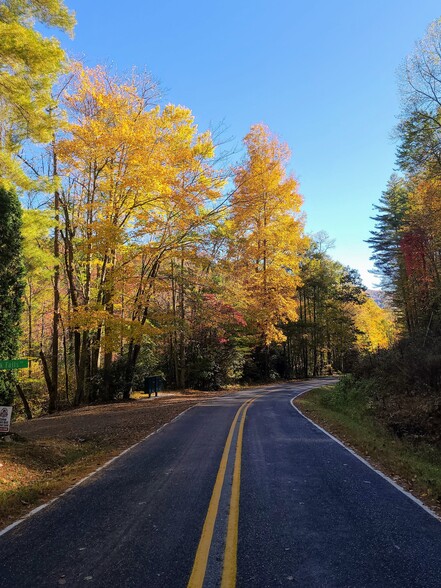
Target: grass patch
x,y
347,414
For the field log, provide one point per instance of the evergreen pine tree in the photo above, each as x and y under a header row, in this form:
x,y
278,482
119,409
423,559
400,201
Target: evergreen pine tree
x,y
11,287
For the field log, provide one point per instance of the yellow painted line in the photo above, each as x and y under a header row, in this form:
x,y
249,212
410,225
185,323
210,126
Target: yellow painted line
x,y
200,563
230,557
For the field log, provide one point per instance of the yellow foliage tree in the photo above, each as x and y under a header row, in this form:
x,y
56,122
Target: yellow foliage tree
x,y
267,238
29,66
375,326
137,179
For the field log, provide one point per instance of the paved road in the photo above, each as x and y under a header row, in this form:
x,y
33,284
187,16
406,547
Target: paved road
x,y
166,514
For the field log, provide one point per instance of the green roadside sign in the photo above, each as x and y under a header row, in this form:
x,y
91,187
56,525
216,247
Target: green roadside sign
x,y
13,364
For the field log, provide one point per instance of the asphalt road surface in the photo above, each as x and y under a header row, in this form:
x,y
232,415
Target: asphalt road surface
x,y
239,491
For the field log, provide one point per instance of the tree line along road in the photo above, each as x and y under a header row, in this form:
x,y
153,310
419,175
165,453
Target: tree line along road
x,y
238,491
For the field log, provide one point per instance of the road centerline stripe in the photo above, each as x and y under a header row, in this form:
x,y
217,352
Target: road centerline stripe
x,y
230,557
201,559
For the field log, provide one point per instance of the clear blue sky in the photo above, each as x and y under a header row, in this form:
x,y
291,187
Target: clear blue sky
x,y
322,74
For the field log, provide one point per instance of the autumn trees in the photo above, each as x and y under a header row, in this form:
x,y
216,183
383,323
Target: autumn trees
x,y
158,262
138,189
144,251
405,380
406,240
268,239
336,318
29,66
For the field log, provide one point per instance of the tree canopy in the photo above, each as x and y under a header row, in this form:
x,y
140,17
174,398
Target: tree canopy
x,y
29,67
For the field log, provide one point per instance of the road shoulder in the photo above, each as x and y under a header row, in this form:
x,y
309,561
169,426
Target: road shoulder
x,y
47,456
416,470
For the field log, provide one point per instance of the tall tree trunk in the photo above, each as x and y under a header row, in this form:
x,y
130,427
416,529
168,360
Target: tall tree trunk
x,y
46,372
174,336
107,302
66,365
132,358
26,406
135,346
81,347
313,340
181,374
53,393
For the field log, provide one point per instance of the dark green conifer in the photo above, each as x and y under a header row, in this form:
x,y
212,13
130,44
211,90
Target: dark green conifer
x,y
11,287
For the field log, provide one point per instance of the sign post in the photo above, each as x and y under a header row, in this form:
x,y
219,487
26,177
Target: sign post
x,y
6,411
5,418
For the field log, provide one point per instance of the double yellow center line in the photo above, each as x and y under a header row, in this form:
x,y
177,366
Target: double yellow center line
x,y
230,556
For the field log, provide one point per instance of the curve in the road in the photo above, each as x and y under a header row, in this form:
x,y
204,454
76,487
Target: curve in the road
x,y
365,462
311,513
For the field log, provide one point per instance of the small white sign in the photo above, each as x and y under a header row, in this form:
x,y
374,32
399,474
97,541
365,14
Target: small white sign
x,y
5,418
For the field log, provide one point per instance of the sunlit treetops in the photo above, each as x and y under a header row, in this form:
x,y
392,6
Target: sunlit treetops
x,y
29,67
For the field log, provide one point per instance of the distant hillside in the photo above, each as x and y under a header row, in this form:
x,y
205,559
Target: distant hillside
x,y
379,297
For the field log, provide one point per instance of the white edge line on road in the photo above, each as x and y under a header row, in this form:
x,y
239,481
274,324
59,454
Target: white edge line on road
x,y
366,463
105,465
36,510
